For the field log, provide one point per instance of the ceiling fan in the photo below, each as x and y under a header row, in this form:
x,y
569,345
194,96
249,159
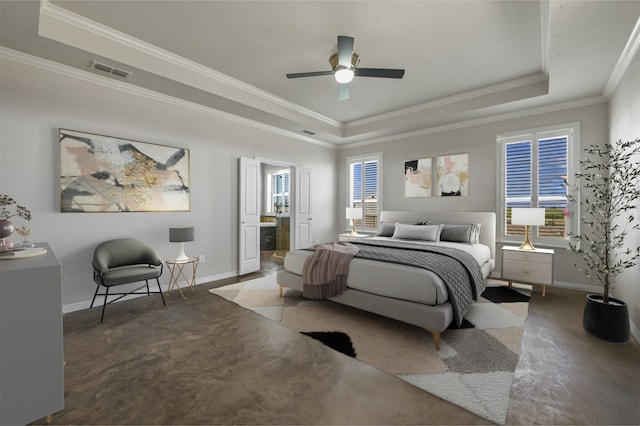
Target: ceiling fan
x,y
344,66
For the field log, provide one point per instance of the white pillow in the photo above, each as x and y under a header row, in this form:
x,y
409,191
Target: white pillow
x,y
418,232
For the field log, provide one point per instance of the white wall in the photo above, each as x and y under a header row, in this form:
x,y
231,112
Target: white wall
x,y
36,101
479,141
624,118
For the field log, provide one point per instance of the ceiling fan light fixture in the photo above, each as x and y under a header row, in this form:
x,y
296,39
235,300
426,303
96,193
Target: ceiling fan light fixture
x,y
344,75
344,66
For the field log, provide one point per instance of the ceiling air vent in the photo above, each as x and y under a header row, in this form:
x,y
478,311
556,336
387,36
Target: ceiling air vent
x,y
110,70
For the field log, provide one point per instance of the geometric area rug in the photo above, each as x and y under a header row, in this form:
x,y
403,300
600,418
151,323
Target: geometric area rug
x,y
474,367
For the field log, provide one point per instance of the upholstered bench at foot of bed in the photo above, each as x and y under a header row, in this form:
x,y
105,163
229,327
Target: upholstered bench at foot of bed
x,y
434,319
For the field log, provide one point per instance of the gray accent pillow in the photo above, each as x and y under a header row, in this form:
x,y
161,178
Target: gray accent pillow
x,y
457,233
387,229
418,232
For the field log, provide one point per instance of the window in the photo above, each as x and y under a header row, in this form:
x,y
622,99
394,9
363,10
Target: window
x,y
365,189
537,171
278,191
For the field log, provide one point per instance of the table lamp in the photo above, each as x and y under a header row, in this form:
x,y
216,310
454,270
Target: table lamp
x,y
354,213
528,217
181,235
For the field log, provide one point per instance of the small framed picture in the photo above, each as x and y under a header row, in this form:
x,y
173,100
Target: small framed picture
x,y
418,178
453,175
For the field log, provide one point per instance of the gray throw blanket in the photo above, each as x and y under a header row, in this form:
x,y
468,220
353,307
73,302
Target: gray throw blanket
x,y
458,269
324,273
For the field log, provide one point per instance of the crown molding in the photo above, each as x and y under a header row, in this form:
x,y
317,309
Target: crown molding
x,y
545,34
577,103
88,77
67,71
72,29
448,100
626,56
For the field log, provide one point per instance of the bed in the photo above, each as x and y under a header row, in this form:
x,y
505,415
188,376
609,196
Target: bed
x,y
412,294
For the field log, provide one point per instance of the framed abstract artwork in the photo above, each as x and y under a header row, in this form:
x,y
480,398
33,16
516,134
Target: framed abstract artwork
x,y
107,174
417,178
452,175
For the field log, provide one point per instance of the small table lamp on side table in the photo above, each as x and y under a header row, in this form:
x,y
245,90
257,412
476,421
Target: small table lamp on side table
x,y
354,213
528,217
181,235
176,266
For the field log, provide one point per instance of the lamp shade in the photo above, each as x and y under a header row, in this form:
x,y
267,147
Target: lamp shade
x,y
181,235
527,216
354,212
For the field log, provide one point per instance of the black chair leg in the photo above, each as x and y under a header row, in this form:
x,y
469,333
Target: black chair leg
x,y
148,292
94,296
106,295
160,290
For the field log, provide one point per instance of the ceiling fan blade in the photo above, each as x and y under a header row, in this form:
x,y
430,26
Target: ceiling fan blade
x,y
309,74
343,91
345,49
379,72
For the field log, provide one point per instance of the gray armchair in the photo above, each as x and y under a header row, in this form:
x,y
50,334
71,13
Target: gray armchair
x,y
124,261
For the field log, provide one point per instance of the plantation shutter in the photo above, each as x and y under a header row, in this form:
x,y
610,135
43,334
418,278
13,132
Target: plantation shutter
x,y
518,170
364,191
552,170
356,186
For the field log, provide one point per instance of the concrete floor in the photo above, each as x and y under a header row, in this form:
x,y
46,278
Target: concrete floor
x,y
565,376
207,361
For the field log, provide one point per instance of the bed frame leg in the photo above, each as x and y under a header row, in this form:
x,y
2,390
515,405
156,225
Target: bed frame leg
x,y
436,338
280,290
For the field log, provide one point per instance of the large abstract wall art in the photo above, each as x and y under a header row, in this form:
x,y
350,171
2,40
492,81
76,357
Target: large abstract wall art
x,y
453,175
107,174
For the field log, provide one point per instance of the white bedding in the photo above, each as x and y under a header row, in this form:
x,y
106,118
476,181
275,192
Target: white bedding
x,y
398,281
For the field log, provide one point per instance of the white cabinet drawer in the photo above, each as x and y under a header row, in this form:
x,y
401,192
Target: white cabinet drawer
x,y
527,257
527,266
527,272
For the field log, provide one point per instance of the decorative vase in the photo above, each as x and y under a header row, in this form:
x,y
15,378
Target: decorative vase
x,y
6,229
606,321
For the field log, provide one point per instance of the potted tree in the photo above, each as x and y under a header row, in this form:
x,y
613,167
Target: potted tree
x,y
610,190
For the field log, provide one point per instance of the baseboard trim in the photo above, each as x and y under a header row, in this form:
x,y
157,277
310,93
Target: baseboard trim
x,y
85,304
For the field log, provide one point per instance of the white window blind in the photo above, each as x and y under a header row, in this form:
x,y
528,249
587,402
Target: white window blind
x,y
364,189
537,167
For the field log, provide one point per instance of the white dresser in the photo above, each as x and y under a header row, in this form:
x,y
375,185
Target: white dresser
x,y
527,266
31,363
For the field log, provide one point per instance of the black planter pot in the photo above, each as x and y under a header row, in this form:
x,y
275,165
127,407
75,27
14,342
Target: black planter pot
x,y
608,322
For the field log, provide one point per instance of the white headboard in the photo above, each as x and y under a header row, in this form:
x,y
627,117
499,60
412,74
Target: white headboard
x,y
487,230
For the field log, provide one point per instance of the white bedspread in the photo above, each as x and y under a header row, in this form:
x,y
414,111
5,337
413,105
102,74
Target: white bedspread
x,y
398,281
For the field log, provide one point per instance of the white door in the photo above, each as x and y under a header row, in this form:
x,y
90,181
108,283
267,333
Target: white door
x,y
249,209
302,234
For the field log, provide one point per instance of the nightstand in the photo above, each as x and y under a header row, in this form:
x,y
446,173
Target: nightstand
x,y
528,266
349,237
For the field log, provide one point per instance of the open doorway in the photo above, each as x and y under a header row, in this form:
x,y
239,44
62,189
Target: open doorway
x,y
275,211
287,207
